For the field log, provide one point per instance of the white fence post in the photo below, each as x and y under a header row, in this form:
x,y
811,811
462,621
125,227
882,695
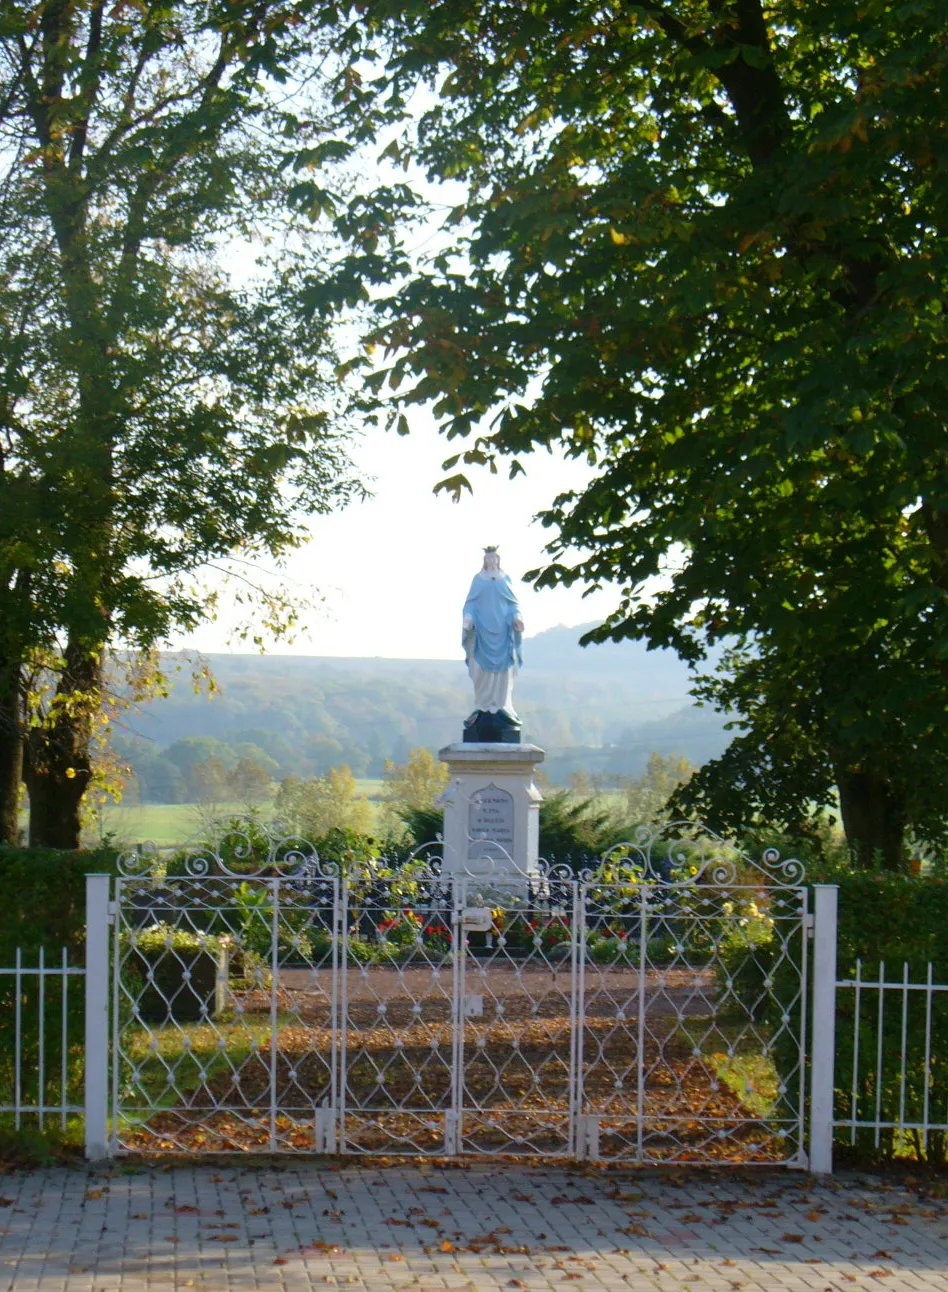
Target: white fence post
x,y
824,1027
97,1015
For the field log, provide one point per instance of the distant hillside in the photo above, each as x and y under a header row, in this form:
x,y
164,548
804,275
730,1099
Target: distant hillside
x,y
608,705
695,733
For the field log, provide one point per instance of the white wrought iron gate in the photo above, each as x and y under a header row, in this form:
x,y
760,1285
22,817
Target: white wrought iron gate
x,y
648,1008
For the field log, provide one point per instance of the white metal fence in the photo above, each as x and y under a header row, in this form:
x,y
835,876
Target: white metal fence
x,y
37,1072
894,1083
466,1050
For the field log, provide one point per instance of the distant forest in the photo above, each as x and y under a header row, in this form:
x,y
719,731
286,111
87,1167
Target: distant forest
x,y
600,711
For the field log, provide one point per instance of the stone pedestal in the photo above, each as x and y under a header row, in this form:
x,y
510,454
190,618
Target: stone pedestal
x,y
492,812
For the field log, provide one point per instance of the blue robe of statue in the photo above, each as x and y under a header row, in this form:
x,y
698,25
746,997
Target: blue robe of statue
x,y
492,607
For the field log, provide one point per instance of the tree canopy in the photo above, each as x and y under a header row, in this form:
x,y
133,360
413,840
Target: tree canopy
x,y
700,245
157,412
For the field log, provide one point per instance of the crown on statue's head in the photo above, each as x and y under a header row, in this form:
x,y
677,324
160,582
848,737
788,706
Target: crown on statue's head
x,y
489,549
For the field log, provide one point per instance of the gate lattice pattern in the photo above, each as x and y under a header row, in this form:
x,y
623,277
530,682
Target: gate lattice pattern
x,y
651,1008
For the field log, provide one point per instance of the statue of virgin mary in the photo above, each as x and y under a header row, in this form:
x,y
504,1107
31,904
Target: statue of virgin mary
x,y
492,635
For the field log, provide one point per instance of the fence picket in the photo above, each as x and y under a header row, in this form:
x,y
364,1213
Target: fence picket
x,y
64,1065
905,1000
854,1093
880,1030
18,1040
928,1054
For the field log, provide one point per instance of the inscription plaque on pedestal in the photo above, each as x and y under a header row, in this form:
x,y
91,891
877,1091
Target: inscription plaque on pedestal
x,y
491,823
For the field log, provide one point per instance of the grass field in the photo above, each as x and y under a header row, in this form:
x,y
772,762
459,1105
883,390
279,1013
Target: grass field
x,y
167,824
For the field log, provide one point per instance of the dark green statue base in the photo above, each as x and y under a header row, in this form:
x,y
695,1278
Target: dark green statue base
x,y
491,729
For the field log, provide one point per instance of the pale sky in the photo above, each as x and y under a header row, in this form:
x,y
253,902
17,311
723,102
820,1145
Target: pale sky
x,y
394,571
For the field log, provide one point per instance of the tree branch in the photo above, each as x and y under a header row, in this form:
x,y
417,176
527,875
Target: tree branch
x,y
756,93
88,94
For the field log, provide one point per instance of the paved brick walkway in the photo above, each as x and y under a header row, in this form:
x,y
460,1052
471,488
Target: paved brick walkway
x,y
305,1225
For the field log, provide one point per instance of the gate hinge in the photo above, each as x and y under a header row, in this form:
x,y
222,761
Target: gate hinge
x,y
112,911
809,923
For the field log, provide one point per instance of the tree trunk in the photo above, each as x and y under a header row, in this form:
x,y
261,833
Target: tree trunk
x,y
874,819
57,767
11,752
55,815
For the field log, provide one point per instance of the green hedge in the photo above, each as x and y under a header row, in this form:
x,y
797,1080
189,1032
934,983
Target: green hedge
x,y
42,904
897,919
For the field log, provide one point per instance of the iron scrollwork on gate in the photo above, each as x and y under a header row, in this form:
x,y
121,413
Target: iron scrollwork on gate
x,y
646,1005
